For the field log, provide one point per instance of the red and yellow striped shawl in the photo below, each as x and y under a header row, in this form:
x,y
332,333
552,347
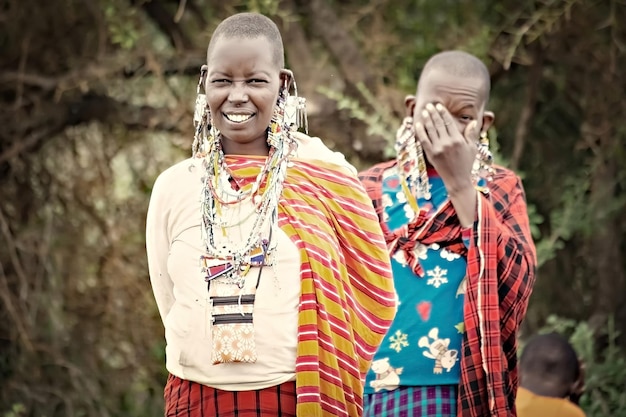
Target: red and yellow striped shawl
x,y
347,300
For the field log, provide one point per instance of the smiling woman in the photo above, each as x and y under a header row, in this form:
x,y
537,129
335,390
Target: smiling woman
x,y
275,285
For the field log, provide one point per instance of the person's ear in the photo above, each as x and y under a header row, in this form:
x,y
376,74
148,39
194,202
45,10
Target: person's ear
x,y
286,78
488,118
202,82
409,104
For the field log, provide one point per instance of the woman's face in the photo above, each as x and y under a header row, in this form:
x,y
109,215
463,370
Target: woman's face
x,y
242,88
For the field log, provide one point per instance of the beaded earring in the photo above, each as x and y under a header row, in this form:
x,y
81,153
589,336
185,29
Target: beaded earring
x,y
289,112
205,133
201,115
295,111
411,164
483,170
276,126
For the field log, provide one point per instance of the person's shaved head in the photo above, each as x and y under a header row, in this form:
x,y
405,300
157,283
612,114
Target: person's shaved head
x,y
250,26
458,64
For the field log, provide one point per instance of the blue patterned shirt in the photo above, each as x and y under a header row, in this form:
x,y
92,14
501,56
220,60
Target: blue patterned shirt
x,y
422,347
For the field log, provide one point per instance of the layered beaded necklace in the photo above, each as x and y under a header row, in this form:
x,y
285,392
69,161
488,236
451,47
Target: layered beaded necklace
x,y
264,194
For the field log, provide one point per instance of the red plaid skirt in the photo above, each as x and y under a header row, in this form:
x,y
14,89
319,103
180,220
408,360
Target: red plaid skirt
x,y
189,399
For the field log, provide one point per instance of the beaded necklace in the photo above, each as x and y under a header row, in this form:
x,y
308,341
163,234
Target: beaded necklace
x,y
264,194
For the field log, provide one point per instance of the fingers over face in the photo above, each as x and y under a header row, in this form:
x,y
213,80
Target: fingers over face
x,y
429,125
422,136
447,118
437,118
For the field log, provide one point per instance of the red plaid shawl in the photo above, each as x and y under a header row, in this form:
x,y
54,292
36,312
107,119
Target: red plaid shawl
x,y
501,263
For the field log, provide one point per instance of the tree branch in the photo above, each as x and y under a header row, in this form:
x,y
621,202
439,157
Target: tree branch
x,y
14,310
94,107
105,68
328,27
528,110
165,21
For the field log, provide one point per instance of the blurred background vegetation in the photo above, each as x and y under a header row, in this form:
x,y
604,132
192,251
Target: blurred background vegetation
x,y
96,99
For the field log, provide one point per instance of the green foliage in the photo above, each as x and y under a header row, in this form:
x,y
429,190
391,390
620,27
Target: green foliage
x,y
535,220
605,368
18,410
424,27
379,121
572,216
121,23
267,7
540,21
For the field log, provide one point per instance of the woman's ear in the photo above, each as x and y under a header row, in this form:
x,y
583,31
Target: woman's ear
x,y
202,82
286,78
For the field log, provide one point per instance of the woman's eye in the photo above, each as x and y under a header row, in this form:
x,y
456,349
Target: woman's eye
x,y
466,118
220,81
257,81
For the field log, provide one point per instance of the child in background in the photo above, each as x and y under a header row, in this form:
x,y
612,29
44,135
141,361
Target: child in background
x,y
551,379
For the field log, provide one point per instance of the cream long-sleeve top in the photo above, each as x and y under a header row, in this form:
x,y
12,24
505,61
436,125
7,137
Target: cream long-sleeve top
x,y
174,246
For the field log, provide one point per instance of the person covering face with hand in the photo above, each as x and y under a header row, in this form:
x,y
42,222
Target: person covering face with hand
x,y
462,255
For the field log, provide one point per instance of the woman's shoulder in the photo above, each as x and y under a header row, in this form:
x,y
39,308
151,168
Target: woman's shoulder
x,y
177,176
314,150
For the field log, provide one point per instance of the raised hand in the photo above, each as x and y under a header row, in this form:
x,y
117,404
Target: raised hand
x,y
450,151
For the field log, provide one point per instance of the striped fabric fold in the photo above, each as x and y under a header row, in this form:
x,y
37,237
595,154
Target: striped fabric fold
x,y
347,300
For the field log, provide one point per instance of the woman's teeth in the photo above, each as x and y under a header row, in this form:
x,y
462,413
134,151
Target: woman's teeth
x,y
238,118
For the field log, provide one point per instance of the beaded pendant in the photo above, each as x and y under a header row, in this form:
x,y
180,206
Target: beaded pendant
x,y
232,268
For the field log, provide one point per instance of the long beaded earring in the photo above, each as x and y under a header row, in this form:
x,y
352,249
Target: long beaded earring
x,y
276,126
201,116
295,111
483,170
205,133
411,164
289,114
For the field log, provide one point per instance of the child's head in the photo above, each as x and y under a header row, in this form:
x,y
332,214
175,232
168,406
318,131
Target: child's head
x,y
549,366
